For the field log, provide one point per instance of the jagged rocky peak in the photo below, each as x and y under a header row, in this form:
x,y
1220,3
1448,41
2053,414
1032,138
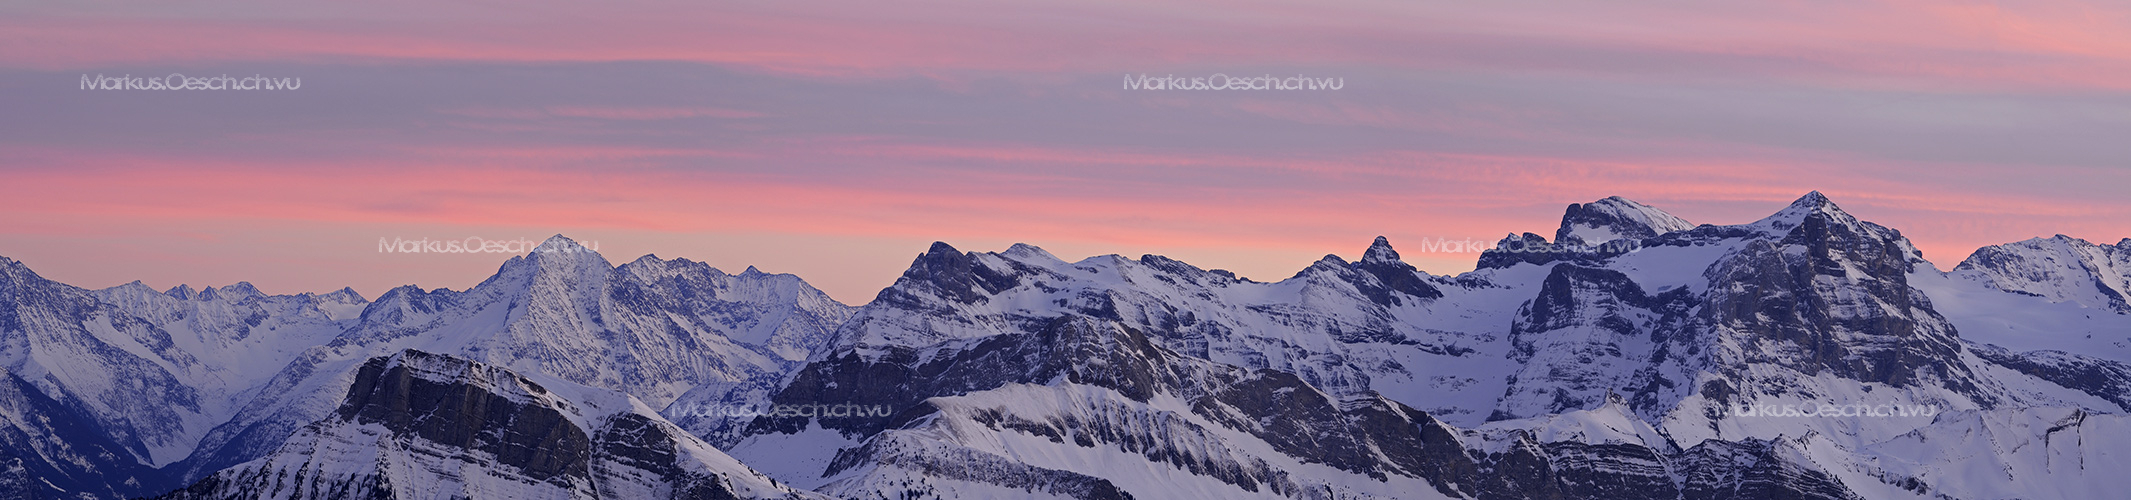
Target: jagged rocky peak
x,y
1816,208
949,273
2058,269
19,283
345,295
14,270
1615,218
1381,262
238,292
135,286
1831,293
1380,276
1380,251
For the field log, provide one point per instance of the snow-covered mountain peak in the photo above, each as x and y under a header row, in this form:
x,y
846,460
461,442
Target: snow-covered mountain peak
x,y
559,267
181,292
1379,251
1812,205
1329,261
1027,252
1615,218
2059,269
13,270
135,286
944,271
239,292
559,249
345,295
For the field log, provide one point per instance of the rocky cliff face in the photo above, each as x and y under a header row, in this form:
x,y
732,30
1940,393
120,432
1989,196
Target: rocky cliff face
x,y
419,425
660,330
1809,354
1090,408
1683,331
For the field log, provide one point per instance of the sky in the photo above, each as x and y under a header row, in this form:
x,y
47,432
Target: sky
x,y
837,139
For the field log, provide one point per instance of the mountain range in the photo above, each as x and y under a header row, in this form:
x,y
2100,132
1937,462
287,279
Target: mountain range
x,y
1808,354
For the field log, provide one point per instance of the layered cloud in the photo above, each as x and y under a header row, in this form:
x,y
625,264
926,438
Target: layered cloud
x,y
739,130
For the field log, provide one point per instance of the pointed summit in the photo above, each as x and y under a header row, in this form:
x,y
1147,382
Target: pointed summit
x,y
235,292
557,268
15,271
346,295
562,244
181,292
1380,251
559,250
1615,218
1391,275
944,271
941,247
1811,205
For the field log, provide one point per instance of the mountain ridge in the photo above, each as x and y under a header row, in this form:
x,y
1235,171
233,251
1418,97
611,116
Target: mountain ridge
x,y
1620,353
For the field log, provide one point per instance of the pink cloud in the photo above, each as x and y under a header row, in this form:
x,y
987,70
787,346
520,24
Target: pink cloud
x,y
2037,44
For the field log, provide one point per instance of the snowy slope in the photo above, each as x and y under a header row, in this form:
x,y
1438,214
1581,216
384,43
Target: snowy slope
x,y
238,336
153,371
1090,408
2058,269
1347,327
1634,356
53,449
419,425
1615,218
2019,322
2011,453
656,329
1677,332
